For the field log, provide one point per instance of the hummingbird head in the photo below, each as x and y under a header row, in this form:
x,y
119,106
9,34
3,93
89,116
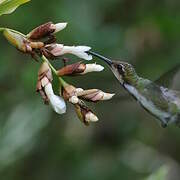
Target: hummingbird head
x,y
123,71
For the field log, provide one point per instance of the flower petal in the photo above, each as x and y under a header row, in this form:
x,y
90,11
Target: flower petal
x,y
93,68
60,27
57,102
79,51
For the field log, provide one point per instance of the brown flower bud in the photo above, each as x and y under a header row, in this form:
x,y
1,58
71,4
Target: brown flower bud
x,y
84,113
68,91
44,77
45,30
41,31
72,69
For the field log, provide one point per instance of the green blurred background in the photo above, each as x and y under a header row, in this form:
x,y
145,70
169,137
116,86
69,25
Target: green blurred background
x,y
127,143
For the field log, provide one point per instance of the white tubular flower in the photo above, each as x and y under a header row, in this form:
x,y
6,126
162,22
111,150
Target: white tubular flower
x,y
90,117
59,27
80,51
56,102
93,68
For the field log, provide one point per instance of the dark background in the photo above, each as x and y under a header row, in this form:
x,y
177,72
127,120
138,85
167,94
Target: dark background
x,y
127,143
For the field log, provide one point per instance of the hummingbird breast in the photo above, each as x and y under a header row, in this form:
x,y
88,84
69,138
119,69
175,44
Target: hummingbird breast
x,y
159,101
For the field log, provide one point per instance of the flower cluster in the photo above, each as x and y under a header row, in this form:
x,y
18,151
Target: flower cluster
x,y
42,41
41,44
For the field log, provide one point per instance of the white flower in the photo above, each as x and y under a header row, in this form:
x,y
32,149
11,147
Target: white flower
x,y
56,102
93,68
90,117
80,51
59,26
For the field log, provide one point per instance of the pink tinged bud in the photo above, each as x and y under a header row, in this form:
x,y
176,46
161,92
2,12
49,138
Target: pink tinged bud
x,y
93,68
56,102
15,39
80,51
94,95
90,117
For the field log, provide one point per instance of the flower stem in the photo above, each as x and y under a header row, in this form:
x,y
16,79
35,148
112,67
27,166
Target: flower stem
x,y
62,81
50,65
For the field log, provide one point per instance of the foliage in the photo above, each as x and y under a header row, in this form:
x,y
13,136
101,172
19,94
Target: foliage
x,y
8,6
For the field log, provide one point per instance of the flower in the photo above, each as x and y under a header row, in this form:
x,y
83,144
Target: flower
x,y
46,30
79,69
15,39
59,50
44,86
93,95
84,113
90,117
56,102
93,68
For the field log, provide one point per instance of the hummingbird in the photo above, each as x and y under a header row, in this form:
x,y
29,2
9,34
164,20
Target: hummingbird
x,y
159,101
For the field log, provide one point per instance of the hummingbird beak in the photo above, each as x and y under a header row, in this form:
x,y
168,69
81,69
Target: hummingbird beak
x,y
108,61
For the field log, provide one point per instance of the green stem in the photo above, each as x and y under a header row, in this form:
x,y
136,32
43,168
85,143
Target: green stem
x,y
62,81
50,65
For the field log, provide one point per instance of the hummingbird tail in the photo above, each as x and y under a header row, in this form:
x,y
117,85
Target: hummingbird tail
x,y
108,61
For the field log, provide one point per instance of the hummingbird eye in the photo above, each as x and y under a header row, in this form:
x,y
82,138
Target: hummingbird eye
x,y
120,68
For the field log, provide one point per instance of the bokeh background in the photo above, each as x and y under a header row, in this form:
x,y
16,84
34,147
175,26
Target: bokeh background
x,y
127,143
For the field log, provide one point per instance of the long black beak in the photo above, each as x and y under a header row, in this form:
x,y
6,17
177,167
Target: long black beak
x,y
108,61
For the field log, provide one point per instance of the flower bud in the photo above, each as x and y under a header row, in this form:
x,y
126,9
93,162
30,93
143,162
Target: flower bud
x,y
44,77
59,50
90,117
93,68
56,102
74,100
15,39
84,113
72,69
79,69
94,95
68,91
45,30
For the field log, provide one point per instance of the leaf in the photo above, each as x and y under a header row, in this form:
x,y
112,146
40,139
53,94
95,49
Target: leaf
x,y
8,6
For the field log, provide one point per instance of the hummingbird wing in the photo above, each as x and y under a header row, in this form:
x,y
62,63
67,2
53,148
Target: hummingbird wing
x,y
167,78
